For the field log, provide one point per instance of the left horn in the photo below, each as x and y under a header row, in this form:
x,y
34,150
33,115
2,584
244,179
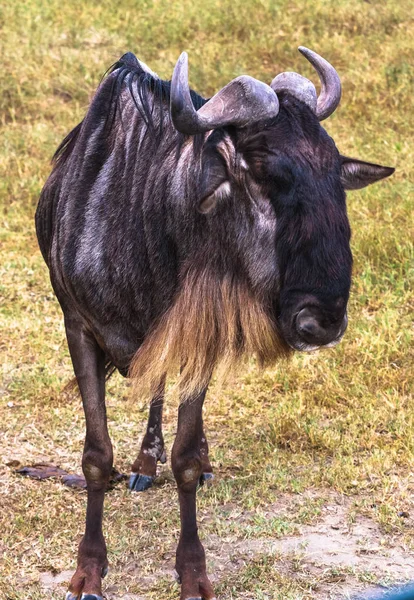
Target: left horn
x,y
241,102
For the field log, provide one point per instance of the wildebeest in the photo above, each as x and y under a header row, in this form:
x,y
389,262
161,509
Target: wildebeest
x,y
184,233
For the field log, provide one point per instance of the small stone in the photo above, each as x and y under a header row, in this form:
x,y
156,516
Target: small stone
x,y
404,514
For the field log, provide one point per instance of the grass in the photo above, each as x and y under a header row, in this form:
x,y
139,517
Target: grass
x,y
339,422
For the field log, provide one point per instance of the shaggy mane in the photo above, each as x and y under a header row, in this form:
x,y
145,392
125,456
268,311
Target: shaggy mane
x,y
212,325
146,90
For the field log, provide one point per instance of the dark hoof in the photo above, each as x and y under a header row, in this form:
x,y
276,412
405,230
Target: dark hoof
x,y
104,572
70,596
140,483
206,478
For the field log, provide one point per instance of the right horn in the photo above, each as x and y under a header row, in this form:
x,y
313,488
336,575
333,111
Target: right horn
x,y
330,95
303,89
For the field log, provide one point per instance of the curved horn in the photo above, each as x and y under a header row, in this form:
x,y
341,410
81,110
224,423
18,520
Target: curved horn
x,y
330,95
242,101
304,90
298,86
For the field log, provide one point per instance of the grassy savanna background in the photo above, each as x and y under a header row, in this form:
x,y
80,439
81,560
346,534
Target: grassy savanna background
x,y
323,445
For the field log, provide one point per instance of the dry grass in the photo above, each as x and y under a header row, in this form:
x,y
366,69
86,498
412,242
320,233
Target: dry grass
x,y
338,421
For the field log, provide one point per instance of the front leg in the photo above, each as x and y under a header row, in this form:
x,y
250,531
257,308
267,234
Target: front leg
x,y
187,466
89,366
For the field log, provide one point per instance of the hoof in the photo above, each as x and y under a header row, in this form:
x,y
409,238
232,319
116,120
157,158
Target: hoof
x,y
70,596
140,483
206,478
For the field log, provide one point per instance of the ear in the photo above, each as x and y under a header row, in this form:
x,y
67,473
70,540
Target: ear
x,y
357,174
214,184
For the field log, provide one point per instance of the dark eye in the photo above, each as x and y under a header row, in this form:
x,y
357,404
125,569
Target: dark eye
x,y
282,183
281,175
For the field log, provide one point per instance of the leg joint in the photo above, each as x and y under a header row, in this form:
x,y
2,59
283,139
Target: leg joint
x,y
97,465
187,470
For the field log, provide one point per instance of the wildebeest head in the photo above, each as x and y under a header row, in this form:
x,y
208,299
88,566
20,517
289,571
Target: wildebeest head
x,y
269,158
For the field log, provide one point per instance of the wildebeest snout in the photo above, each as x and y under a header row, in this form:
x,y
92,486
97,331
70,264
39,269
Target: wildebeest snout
x,y
308,322
314,329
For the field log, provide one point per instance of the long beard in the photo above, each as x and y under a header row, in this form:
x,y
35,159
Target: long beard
x,y
213,325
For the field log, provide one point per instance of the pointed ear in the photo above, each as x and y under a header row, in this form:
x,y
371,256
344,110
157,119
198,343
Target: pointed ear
x,y
357,174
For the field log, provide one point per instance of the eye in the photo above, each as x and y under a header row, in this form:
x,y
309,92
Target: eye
x,y
281,176
209,202
282,184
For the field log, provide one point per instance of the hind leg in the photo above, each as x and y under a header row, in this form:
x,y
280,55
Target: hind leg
x,y
144,468
207,474
89,365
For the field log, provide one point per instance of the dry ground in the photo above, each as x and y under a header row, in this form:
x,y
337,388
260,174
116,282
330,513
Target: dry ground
x,y
313,496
